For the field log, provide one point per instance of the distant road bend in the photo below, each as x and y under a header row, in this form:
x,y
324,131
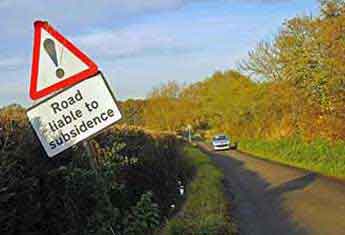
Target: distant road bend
x,y
272,199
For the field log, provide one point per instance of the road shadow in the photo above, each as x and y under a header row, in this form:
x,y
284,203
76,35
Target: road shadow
x,y
292,185
258,208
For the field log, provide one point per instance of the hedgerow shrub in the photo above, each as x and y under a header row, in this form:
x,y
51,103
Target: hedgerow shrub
x,y
147,161
137,181
318,155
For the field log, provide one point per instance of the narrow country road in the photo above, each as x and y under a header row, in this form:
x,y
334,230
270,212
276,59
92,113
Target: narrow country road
x,y
272,199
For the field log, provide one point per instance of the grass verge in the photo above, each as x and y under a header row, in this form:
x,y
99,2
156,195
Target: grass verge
x,y
319,156
206,210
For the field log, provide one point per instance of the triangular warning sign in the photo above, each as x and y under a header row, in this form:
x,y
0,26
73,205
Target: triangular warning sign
x,y
57,63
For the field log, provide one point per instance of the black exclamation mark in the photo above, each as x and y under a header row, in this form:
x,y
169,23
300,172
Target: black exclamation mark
x,y
49,46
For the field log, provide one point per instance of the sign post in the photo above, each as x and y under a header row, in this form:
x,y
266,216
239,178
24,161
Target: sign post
x,y
90,155
80,103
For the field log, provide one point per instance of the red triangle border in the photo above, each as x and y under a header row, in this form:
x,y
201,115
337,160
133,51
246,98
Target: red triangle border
x,y
92,67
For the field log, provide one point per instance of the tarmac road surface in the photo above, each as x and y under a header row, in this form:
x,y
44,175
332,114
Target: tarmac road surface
x,y
273,199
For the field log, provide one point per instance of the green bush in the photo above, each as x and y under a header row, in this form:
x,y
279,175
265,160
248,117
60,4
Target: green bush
x,y
319,155
144,218
148,161
138,177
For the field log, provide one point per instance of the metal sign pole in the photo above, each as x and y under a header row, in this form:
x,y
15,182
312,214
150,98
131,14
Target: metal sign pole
x,y
90,156
90,153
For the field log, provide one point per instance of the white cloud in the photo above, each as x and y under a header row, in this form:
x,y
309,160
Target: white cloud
x,y
11,63
130,41
140,5
17,15
4,3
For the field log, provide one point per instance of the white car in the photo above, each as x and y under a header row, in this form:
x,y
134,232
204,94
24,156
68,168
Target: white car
x,y
221,142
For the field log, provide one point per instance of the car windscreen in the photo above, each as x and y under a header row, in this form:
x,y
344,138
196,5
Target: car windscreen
x,y
217,138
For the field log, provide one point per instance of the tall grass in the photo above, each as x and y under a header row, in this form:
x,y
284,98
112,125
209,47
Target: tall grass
x,y
320,155
206,210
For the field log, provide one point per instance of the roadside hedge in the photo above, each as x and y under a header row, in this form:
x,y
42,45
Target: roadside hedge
x,y
136,185
320,155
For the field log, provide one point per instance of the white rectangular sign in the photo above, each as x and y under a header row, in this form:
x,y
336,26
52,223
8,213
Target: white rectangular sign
x,y
74,114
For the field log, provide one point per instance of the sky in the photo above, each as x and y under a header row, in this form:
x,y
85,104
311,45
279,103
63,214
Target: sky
x,y
141,44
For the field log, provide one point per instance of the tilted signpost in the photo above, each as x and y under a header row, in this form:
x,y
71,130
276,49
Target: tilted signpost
x,y
77,101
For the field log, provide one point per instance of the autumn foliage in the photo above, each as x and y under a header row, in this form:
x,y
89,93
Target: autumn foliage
x,y
291,86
